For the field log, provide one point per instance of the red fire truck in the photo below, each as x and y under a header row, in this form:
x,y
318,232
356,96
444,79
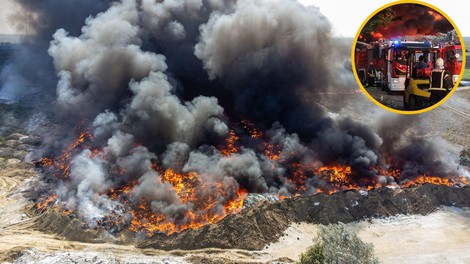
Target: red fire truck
x,y
368,54
452,56
389,61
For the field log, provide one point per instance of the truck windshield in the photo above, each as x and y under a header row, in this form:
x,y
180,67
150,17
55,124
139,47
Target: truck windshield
x,y
399,56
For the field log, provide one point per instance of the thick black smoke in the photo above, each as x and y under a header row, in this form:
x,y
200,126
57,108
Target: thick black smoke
x,y
166,82
414,19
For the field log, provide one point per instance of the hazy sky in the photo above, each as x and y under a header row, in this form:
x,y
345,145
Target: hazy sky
x,y
346,16
6,7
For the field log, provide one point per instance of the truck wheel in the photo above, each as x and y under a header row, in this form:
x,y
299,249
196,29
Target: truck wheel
x,y
412,102
385,87
406,106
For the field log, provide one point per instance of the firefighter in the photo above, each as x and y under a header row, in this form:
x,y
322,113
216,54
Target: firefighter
x,y
371,74
421,64
440,82
418,66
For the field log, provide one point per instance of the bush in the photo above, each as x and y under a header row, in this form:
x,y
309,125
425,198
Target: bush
x,y
465,157
336,244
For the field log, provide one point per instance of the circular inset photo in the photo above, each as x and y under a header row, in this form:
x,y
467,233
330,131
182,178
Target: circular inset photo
x,y
408,57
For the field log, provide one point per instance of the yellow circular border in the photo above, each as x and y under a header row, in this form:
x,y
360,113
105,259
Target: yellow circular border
x,y
353,51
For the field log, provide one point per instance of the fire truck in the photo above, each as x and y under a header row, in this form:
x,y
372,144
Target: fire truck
x,y
367,54
395,67
452,56
389,60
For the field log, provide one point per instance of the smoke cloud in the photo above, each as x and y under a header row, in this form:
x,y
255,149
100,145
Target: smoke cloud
x,y
415,19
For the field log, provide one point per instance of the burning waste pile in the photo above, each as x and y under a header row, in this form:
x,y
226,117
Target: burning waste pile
x,y
170,113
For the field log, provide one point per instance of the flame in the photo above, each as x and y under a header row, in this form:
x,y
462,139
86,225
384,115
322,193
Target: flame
x,y
338,175
420,180
298,177
206,202
377,35
182,183
61,167
250,127
144,219
45,202
437,16
230,144
202,201
273,152
116,193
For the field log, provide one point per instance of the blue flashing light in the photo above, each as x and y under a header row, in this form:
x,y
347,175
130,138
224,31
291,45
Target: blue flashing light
x,y
396,42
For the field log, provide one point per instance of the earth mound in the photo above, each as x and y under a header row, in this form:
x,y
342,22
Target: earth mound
x,y
254,228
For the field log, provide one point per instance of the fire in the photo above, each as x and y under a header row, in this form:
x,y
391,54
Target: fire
x,y
252,130
182,183
202,206
144,219
420,180
205,202
115,193
437,16
377,35
45,202
202,199
230,147
61,167
272,152
298,177
337,174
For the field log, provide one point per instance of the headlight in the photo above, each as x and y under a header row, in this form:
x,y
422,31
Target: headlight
x,y
455,78
395,81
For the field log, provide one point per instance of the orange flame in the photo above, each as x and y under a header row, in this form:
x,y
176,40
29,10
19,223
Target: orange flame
x,y
182,183
61,166
420,180
45,202
202,207
437,17
146,220
337,174
250,127
207,202
377,35
230,144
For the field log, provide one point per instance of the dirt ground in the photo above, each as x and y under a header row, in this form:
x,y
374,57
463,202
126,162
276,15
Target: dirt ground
x,y
391,99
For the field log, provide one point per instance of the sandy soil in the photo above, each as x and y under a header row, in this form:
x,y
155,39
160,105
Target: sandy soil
x,y
441,237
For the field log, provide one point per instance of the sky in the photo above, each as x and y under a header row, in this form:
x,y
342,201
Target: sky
x,y
6,7
345,16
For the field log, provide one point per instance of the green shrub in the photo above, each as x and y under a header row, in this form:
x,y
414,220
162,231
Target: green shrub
x,y
335,244
465,157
